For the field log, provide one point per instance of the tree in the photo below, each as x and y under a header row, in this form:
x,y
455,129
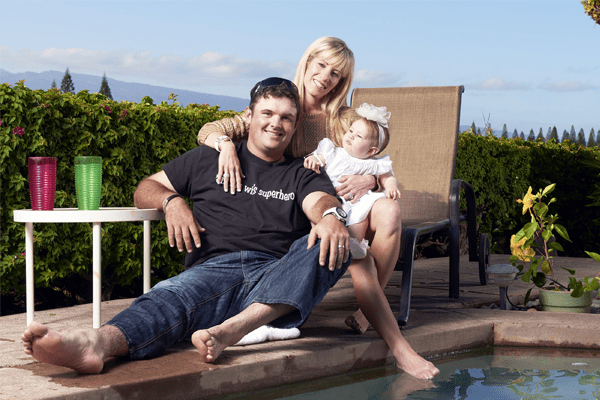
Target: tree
x,y
554,134
581,137
53,84
473,128
592,8
540,136
531,137
592,140
66,85
478,131
565,136
515,134
504,132
104,89
522,135
573,135
549,134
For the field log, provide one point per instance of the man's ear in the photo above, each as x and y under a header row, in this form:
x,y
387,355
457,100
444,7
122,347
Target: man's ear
x,y
248,114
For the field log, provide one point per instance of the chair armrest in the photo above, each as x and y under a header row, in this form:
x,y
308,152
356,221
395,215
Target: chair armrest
x,y
457,185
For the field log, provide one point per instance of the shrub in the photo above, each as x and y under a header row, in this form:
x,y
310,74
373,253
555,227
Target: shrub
x,y
134,141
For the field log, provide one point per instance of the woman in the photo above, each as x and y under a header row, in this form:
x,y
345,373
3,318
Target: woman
x,y
323,77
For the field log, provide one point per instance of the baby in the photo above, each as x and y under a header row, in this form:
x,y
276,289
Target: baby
x,y
366,137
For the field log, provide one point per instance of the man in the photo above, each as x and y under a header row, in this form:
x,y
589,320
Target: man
x,y
252,258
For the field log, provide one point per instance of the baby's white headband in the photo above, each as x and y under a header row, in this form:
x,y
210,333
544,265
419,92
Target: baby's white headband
x,y
377,114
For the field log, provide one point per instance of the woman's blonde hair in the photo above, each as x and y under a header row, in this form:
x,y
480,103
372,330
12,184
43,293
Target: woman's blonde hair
x,y
337,53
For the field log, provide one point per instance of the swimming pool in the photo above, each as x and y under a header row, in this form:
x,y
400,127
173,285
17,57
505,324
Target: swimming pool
x,y
491,373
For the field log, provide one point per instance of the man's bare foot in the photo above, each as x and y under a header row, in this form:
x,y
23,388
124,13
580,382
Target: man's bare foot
x,y
358,322
208,345
415,365
76,350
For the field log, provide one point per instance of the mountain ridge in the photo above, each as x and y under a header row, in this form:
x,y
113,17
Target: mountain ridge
x,y
122,91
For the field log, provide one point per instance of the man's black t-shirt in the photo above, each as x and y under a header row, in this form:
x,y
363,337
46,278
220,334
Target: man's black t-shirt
x,y
265,216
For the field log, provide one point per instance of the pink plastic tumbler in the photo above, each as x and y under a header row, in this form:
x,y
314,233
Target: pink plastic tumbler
x,y
42,182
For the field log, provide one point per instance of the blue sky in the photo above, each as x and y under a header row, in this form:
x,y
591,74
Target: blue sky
x,y
526,64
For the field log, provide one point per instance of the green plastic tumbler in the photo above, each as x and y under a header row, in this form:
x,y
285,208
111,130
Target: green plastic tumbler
x,y
88,182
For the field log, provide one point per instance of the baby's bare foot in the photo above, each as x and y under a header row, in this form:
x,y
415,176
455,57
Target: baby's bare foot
x,y
358,322
76,350
208,345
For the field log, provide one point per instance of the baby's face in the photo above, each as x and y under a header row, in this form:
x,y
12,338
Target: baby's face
x,y
358,141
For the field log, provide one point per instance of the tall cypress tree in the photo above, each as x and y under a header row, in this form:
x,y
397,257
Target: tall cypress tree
x,y
53,84
531,137
504,132
565,136
473,128
104,89
540,136
592,139
515,134
573,135
66,85
522,135
554,134
581,137
549,134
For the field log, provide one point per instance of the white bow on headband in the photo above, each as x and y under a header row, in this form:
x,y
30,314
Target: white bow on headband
x,y
378,114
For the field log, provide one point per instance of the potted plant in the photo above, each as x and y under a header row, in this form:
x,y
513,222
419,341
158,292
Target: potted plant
x,y
533,245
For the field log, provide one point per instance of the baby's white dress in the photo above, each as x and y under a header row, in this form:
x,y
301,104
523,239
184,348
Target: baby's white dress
x,y
339,163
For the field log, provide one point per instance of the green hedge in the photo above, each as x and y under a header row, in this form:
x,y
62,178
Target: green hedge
x,y
134,141
501,170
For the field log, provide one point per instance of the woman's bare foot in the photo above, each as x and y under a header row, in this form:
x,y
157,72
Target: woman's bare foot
x,y
415,365
77,350
208,345
358,322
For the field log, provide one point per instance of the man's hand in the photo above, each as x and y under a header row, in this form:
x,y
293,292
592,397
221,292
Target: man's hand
x,y
335,241
353,187
182,227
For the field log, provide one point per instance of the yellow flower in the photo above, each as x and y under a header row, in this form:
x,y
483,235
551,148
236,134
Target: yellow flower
x,y
517,250
527,201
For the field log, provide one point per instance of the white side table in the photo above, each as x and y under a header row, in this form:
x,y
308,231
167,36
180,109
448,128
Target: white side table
x,y
96,217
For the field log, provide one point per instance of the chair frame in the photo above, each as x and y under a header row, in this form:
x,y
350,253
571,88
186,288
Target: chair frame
x,y
412,233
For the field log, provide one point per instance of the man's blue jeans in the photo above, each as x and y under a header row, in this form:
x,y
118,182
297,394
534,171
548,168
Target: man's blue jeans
x,y
207,294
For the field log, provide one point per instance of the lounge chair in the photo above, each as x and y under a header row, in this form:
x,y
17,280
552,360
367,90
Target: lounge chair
x,y
423,144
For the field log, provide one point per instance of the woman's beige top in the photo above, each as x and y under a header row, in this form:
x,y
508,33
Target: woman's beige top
x,y
314,127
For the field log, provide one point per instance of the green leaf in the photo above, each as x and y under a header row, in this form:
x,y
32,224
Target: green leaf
x,y
562,231
539,279
545,267
595,256
526,300
555,246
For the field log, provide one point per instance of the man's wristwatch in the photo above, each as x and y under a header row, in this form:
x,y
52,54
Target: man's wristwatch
x,y
219,140
337,212
168,199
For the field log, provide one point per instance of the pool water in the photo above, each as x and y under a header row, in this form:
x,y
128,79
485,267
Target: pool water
x,y
498,373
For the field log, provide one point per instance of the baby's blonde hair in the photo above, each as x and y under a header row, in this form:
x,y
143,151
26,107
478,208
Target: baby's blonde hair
x,y
374,132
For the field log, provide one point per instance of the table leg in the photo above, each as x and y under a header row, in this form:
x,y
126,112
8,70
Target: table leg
x,y
147,253
97,272
29,273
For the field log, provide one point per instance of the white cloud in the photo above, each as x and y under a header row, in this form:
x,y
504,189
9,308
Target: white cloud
x,y
206,69
566,86
373,78
498,84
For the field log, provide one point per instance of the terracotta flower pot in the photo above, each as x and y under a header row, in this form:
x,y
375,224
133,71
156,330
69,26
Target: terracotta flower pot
x,y
561,301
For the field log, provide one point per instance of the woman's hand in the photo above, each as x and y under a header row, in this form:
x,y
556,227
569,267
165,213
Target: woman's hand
x,y
230,171
353,187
